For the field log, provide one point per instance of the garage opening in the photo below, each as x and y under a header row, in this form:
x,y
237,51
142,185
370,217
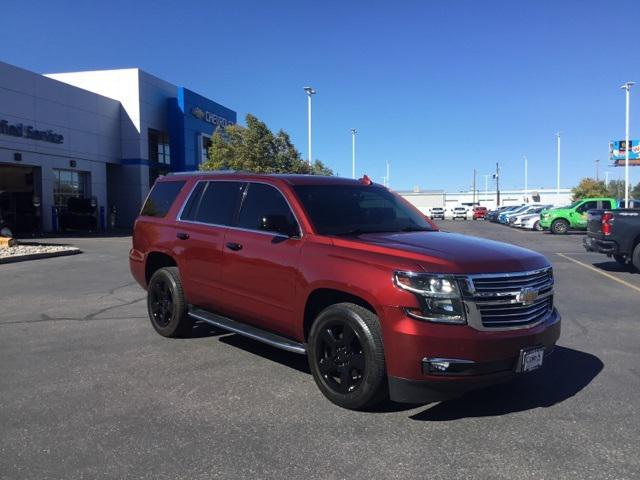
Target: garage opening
x,y
20,198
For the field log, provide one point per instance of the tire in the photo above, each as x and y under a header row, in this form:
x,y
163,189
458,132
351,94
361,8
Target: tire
x,y
559,227
621,259
537,227
166,304
635,257
350,373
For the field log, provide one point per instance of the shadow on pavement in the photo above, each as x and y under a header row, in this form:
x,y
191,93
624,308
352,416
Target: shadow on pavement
x,y
614,267
203,329
567,372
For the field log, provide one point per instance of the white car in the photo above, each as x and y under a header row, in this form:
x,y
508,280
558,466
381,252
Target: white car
x,y
437,212
459,212
529,218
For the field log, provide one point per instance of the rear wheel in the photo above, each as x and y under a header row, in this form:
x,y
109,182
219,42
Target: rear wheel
x,y
346,356
537,227
635,258
559,226
166,303
621,259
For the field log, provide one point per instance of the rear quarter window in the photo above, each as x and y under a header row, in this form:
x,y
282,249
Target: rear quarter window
x,y
160,199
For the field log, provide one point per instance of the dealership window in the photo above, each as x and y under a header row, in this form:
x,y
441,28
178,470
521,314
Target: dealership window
x,y
159,150
204,150
68,184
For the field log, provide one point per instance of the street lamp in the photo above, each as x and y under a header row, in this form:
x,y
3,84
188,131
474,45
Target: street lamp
x,y
627,88
310,91
558,169
526,179
353,153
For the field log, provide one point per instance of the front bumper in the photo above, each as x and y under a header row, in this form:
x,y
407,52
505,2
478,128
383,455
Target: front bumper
x,y
494,355
608,247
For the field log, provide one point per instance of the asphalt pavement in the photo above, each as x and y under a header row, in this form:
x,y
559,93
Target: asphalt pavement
x,y
89,390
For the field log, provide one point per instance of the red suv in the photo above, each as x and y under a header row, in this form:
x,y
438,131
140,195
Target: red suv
x,y
479,212
349,274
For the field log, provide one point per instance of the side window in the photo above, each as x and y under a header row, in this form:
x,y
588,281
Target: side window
x,y
264,208
219,203
160,199
606,204
590,205
191,207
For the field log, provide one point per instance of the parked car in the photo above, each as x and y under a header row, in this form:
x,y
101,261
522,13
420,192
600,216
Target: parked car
x,y
504,216
459,212
437,212
494,217
560,220
616,233
348,273
533,211
479,212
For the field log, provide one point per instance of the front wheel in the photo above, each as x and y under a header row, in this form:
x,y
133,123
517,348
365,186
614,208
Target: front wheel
x,y
537,227
559,227
346,356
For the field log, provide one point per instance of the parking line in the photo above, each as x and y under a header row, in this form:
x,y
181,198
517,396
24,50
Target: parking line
x,y
591,267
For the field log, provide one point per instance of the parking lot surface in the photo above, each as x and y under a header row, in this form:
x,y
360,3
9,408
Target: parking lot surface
x,y
89,390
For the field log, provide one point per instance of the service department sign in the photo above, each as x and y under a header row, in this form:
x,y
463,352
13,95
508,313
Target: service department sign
x,y
27,131
209,117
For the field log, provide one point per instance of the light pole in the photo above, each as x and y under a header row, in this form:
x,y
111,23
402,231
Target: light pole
x,y
627,88
526,180
558,169
597,170
353,153
606,179
310,91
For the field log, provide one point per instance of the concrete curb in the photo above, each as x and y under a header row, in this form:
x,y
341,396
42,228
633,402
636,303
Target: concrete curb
x,y
38,256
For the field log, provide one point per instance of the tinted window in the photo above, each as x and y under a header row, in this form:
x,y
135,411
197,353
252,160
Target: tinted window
x,y
264,208
353,209
191,207
160,199
219,202
587,206
606,204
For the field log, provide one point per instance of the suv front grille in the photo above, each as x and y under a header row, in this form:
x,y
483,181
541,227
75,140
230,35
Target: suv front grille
x,y
512,300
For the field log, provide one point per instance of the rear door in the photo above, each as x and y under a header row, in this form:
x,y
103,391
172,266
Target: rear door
x,y
261,260
202,224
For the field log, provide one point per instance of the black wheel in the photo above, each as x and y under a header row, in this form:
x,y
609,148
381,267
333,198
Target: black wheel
x,y
621,259
559,226
537,227
166,304
635,257
346,356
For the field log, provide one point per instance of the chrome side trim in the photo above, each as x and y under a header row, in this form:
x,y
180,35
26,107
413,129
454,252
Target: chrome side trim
x,y
249,331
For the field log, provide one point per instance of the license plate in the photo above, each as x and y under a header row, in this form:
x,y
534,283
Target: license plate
x,y
530,359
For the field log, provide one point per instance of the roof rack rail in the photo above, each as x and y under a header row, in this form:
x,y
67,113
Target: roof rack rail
x,y
215,172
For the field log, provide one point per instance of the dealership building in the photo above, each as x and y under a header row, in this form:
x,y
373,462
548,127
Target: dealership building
x,y
81,149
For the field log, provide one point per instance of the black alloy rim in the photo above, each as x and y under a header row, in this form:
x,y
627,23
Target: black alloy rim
x,y
161,303
340,358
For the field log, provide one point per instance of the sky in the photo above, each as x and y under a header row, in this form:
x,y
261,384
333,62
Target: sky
x,y
435,87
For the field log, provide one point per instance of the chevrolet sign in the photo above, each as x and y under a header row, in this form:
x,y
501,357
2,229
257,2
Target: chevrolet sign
x,y
527,295
209,117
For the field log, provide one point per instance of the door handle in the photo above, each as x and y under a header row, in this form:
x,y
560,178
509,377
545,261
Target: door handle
x,y
182,235
234,246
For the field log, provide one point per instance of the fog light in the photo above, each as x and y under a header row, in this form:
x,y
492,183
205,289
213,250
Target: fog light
x,y
447,366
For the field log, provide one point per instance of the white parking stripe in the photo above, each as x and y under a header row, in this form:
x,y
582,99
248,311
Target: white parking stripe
x,y
590,267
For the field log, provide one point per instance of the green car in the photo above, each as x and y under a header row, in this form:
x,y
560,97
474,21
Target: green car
x,y
574,216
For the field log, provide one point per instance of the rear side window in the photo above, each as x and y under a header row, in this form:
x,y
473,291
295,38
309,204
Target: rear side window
x,y
191,207
219,203
264,208
160,199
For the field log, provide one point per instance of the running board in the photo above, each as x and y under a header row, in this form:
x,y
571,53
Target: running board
x,y
248,331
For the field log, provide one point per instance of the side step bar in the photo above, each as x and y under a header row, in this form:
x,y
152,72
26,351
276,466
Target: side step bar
x,y
248,331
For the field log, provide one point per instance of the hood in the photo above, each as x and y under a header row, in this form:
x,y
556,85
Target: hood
x,y
444,252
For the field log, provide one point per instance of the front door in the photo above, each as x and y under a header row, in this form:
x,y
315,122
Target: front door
x,y
579,215
261,256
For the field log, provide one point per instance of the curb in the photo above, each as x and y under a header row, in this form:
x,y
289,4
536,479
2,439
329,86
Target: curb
x,y
38,256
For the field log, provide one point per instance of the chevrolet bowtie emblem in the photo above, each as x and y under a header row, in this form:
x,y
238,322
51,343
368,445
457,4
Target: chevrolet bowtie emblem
x,y
527,295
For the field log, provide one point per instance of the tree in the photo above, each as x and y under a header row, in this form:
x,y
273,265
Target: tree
x,y
635,192
616,188
255,148
589,187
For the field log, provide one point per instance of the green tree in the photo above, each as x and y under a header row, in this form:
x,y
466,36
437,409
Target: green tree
x,y
635,192
616,188
257,149
589,187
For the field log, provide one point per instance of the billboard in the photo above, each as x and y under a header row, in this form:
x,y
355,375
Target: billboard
x,y
617,151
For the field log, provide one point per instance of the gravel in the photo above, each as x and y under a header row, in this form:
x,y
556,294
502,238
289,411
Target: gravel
x,y
35,250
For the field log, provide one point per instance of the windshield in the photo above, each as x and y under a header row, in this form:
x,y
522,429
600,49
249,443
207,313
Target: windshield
x,y
356,209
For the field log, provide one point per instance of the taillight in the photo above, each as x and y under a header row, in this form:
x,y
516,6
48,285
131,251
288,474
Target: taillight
x,y
607,220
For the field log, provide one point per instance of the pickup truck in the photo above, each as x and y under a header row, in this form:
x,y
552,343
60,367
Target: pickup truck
x,y
348,273
616,233
559,220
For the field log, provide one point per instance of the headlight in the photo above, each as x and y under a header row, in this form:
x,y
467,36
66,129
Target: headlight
x,y
438,295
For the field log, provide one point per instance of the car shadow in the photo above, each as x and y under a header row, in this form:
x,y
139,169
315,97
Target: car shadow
x,y
202,330
614,267
566,373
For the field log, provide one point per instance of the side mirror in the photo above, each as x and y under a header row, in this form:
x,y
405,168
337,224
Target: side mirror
x,y
279,224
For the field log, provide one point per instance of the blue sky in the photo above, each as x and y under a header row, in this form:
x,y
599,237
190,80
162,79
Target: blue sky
x,y
435,87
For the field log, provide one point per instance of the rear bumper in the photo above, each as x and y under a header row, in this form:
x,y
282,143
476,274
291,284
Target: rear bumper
x,y
492,356
591,244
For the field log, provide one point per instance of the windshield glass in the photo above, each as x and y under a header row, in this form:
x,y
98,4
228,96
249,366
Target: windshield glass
x,y
356,209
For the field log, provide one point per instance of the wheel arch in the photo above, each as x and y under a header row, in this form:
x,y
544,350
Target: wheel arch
x,y
156,260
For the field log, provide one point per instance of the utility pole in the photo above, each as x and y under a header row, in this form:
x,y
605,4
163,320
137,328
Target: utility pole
x,y
497,177
606,179
526,180
353,153
627,88
310,91
558,170
474,186
597,170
